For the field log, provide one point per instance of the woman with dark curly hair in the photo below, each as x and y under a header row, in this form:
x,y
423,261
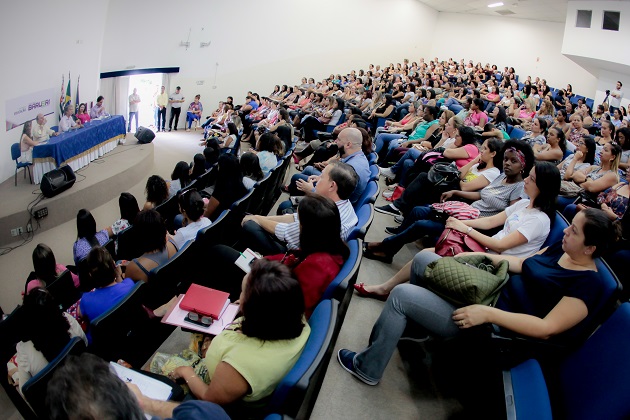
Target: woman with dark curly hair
x,y
156,191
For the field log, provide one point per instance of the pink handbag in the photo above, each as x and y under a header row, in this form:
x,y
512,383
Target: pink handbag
x,y
452,243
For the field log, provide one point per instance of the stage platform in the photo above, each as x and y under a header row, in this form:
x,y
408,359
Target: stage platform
x,y
99,182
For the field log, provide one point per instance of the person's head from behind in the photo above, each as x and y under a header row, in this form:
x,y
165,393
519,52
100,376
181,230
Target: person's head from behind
x,y
128,205
269,142
349,141
366,144
86,225
229,167
156,190
181,173
47,327
150,227
212,151
84,387
542,187
191,205
268,292
320,226
337,181
232,129
44,263
250,165
284,134
590,234
101,267
199,165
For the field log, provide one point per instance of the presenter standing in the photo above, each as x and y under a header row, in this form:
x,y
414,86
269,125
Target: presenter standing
x,y
162,103
614,102
176,99
134,100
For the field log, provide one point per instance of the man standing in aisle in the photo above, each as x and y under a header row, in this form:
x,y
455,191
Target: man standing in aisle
x,y
615,98
134,100
162,103
176,99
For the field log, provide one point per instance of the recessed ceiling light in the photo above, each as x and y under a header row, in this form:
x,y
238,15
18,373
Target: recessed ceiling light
x,y
495,5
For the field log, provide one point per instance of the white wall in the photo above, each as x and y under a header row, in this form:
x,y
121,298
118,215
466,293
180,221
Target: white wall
x,y
41,41
533,48
258,45
595,42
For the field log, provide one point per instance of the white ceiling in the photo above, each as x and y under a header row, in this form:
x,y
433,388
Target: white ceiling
x,y
548,10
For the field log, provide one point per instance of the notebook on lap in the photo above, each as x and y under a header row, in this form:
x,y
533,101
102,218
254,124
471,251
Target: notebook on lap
x,y
205,301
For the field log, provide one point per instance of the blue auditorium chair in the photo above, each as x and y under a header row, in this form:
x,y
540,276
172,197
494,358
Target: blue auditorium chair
x,y
16,152
369,195
366,216
517,133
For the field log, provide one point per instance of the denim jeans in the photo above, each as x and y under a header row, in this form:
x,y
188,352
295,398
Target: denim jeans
x,y
258,239
161,119
414,227
190,117
308,171
406,302
383,139
401,166
131,116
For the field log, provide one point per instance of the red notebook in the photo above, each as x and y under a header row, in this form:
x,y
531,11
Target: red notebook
x,y
205,301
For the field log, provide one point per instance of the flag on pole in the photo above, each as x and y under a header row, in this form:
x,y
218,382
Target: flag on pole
x,y
68,93
76,101
61,98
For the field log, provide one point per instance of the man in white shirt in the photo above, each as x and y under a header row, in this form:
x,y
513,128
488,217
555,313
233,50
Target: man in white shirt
x,y
176,99
614,102
271,235
134,100
67,122
39,130
98,110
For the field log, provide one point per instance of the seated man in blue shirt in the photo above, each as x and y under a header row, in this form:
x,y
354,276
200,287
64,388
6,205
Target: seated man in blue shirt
x,y
349,142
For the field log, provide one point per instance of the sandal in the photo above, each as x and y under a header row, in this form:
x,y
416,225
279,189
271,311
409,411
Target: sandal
x,y
360,288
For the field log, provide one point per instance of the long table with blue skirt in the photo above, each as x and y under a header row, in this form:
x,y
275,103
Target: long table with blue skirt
x,y
77,148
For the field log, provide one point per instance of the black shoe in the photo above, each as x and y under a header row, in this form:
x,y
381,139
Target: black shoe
x,y
173,129
170,129
387,259
346,360
392,230
388,209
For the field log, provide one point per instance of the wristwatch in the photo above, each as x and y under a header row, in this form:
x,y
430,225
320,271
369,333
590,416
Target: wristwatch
x,y
468,230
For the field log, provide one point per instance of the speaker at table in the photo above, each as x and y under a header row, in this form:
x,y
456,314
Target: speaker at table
x,y
144,135
57,181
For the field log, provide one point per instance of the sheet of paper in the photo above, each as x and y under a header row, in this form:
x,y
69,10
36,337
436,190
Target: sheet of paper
x,y
149,387
177,317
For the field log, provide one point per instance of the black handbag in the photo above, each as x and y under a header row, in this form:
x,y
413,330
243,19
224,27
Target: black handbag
x,y
442,174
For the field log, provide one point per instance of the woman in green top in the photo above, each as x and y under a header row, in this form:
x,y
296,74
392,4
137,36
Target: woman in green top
x,y
247,360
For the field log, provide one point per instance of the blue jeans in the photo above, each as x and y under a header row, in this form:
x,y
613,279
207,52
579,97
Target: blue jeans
x,y
406,162
131,116
190,117
562,202
383,139
569,212
406,302
415,226
308,171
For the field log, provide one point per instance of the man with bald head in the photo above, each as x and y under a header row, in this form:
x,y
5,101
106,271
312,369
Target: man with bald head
x,y
39,130
349,143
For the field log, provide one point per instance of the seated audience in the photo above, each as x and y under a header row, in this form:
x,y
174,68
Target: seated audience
x,y
156,191
87,235
191,207
110,288
554,148
180,178
45,269
268,149
198,167
563,290
46,331
155,248
271,235
251,170
247,360
228,188
85,387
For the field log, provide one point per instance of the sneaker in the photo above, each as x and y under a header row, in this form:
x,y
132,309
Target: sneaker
x,y
387,173
444,108
346,360
399,219
392,230
388,209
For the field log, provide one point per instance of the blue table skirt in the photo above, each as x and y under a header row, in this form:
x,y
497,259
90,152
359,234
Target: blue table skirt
x,y
76,143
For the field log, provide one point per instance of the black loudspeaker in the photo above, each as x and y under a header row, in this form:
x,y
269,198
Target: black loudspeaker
x,y
57,181
144,135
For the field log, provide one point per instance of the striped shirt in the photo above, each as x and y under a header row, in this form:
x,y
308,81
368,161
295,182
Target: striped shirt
x,y
290,232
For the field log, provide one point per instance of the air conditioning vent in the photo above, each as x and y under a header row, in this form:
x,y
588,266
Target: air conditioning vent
x,y
505,12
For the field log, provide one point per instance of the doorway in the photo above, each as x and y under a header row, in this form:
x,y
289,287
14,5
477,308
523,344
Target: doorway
x,y
148,86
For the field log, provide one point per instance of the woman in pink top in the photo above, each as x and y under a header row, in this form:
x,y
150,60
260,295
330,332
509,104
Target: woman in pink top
x,y
82,114
476,118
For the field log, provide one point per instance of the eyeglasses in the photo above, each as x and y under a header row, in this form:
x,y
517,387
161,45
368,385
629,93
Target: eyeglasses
x,y
195,317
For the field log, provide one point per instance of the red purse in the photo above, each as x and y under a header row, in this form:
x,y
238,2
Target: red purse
x,y
452,243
